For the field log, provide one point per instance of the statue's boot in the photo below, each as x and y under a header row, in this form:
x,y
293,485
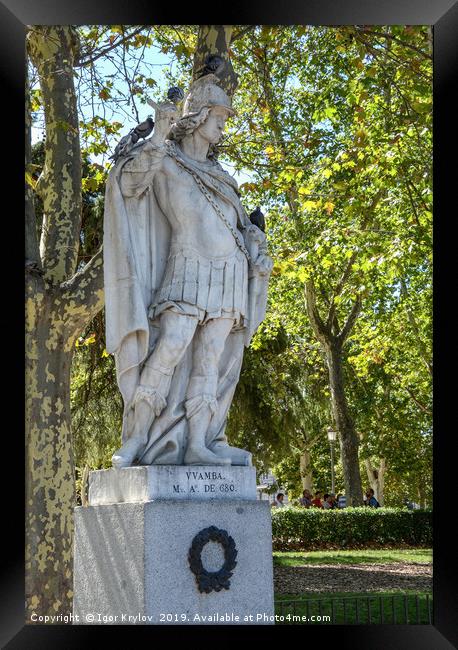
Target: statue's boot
x,y
237,456
148,402
129,451
200,407
155,386
198,454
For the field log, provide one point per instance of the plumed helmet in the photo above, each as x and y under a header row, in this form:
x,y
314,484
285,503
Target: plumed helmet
x,y
206,91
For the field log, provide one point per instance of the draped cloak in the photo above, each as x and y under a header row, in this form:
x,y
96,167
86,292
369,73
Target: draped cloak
x,y
136,247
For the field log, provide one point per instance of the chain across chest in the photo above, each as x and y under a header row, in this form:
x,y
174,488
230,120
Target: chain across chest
x,y
216,207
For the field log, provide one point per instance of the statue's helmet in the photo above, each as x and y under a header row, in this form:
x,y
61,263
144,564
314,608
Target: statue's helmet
x,y
206,91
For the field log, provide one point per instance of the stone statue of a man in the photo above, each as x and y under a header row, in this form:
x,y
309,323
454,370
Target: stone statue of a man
x,y
186,278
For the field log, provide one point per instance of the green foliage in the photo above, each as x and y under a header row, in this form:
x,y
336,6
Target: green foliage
x,y
337,134
300,528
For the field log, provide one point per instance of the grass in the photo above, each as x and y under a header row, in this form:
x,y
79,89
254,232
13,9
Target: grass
x,y
346,608
365,556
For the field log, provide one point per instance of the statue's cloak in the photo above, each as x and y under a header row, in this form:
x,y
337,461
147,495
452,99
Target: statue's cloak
x,y
136,247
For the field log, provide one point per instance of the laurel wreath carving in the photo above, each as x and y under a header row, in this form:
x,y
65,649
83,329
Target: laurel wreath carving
x,y
208,581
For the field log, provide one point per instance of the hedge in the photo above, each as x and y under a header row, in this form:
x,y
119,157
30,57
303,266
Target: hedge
x,y
303,529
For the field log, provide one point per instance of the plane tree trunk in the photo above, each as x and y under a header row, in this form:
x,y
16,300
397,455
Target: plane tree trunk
x,y
59,304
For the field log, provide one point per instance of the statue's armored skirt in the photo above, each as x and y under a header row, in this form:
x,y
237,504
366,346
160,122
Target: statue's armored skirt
x,y
203,286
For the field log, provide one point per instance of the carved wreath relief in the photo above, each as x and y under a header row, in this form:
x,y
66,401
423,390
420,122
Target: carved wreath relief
x,y
208,581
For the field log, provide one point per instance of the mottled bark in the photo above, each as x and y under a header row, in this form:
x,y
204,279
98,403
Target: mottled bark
x,y
306,470
50,491
58,307
376,478
215,40
82,297
331,342
52,50
54,318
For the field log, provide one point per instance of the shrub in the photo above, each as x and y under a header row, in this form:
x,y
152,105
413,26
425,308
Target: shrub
x,y
303,529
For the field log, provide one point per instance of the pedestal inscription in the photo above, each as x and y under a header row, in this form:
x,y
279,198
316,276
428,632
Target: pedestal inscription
x,y
146,483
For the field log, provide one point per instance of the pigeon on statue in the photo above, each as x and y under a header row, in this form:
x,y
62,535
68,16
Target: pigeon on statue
x,y
175,94
142,130
257,219
212,65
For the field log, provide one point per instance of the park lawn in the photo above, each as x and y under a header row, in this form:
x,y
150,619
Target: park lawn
x,y
387,607
364,556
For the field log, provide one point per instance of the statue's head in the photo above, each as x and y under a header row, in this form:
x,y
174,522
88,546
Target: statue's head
x,y
206,109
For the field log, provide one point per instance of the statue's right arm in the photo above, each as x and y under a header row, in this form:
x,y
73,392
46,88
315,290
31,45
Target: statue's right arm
x,y
138,173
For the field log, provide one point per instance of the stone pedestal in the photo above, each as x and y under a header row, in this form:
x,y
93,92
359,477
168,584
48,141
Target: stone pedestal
x,y
173,545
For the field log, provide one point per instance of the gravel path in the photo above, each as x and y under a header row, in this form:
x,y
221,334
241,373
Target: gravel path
x,y
352,577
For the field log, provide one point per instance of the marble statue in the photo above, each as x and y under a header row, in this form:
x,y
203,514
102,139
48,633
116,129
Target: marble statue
x,y
186,276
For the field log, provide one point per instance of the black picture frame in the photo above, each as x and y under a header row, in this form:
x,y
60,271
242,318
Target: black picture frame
x,y
443,15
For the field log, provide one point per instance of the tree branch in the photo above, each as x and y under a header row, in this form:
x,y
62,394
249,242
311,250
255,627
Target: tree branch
x,y
105,51
338,289
322,332
393,38
82,297
241,33
346,329
421,406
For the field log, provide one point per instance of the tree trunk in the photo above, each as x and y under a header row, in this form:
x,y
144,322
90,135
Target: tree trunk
x,y
215,40
421,495
59,304
376,478
54,318
52,50
50,480
305,470
349,443
331,343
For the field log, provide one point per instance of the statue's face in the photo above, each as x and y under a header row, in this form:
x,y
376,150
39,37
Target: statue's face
x,y
213,127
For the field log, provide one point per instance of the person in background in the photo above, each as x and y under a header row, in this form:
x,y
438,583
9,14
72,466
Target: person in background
x,y
278,503
306,499
341,501
371,501
327,501
316,502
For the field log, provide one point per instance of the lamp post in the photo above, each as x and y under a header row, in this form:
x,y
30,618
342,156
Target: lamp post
x,y
332,435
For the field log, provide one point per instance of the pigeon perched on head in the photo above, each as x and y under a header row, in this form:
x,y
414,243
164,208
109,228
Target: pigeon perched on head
x,y
257,219
175,94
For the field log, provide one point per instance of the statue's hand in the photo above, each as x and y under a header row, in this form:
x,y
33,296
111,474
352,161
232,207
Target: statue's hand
x,y
165,115
263,264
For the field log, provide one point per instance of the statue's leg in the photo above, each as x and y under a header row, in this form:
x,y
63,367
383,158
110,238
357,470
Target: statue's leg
x,y
176,332
201,392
